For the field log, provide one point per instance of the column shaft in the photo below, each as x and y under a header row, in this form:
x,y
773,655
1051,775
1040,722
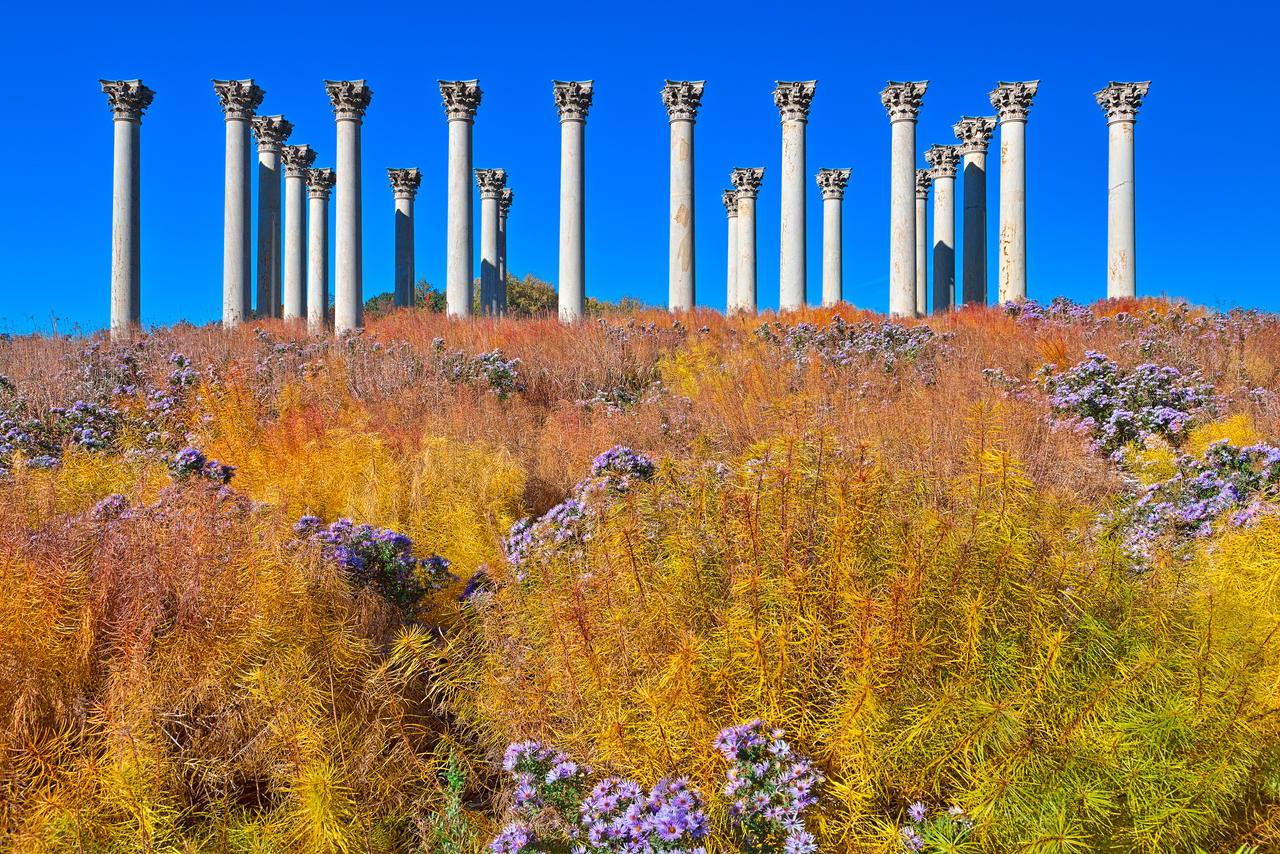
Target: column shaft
x,y
1122,273
792,255
318,266
268,231
832,261
294,293
402,295
680,269
460,246
1013,210
974,273
237,280
502,261
944,243
488,254
922,257
572,221
126,229
902,220
747,254
348,302
734,299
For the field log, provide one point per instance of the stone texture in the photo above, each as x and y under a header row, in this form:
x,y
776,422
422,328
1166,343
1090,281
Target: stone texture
x,y
573,100
974,133
491,183
404,187
793,99
350,99
1011,102
504,208
832,183
271,133
1121,102
902,102
943,160
924,177
319,184
296,161
682,99
128,100
747,184
730,199
461,100
239,100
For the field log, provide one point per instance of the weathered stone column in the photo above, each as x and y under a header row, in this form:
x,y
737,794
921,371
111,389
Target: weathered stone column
x,y
350,99
747,183
461,99
129,99
944,159
297,159
404,186
491,183
504,207
730,199
792,98
832,183
902,101
681,99
573,99
271,132
239,100
1121,101
974,133
924,177
319,183
1011,101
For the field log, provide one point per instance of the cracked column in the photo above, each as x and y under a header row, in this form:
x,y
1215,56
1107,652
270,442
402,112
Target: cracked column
x,y
319,184
460,99
573,99
943,160
404,186
747,183
1011,102
297,159
490,182
924,177
350,99
239,99
974,133
682,99
792,98
730,199
1121,101
832,183
902,102
271,133
504,206
128,100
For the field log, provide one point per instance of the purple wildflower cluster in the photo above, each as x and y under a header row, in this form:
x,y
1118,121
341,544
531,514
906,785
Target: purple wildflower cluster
x,y
1057,310
942,832
545,778
885,345
112,507
615,472
1119,407
189,463
379,558
770,786
500,374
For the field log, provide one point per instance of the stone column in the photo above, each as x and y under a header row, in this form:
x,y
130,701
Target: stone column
x,y
128,99
730,199
350,99
943,159
682,99
573,99
461,99
1011,101
747,183
404,186
319,183
271,132
832,183
974,133
924,177
504,207
902,101
239,100
1121,101
297,159
491,183
792,98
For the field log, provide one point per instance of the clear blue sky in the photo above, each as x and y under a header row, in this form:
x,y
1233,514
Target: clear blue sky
x,y
1203,183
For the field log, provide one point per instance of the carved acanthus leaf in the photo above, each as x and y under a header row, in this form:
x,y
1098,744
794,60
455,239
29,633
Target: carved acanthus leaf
x,y
128,99
1012,100
974,133
792,98
944,159
682,99
1120,101
460,98
832,182
902,100
350,98
573,98
238,98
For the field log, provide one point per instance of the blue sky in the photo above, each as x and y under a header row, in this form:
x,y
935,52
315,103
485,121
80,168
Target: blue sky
x,y
1203,184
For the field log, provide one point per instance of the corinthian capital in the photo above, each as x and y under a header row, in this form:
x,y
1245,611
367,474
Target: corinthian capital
x,y
943,159
491,182
1012,100
832,182
460,98
730,199
573,99
974,133
682,99
902,100
129,99
350,98
405,182
320,182
239,98
924,178
1120,101
792,98
297,160
504,201
747,181
271,131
